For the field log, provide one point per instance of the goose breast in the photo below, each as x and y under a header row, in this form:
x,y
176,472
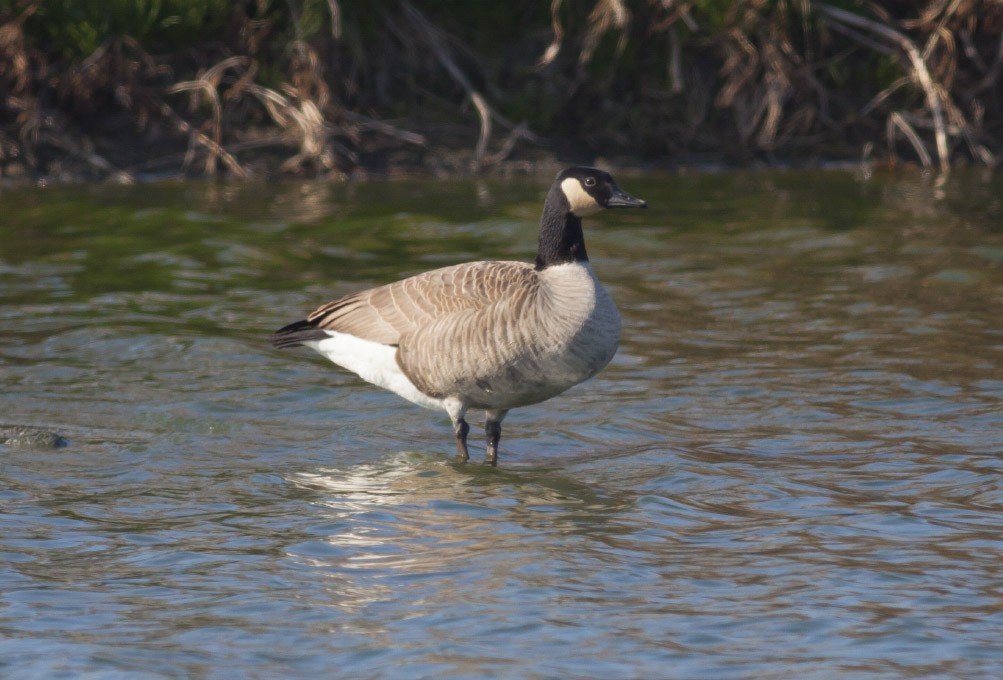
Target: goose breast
x,y
543,332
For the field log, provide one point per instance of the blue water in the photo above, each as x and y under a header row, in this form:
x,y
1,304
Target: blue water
x,y
792,469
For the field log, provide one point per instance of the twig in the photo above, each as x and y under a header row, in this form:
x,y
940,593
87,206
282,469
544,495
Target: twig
x,y
313,133
958,120
208,84
883,95
864,40
366,123
555,45
88,156
185,127
675,61
335,10
936,32
989,80
507,146
971,51
605,15
281,139
895,120
484,110
204,86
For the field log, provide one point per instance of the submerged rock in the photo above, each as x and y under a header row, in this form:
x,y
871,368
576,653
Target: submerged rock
x,y
23,437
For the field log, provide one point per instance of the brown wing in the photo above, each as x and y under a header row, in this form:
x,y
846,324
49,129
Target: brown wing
x,y
386,313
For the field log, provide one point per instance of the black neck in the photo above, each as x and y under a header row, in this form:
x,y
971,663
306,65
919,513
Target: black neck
x,y
561,237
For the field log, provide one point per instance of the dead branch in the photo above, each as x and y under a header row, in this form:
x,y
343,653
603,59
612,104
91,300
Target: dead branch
x,y
484,110
895,120
880,97
442,55
312,132
554,47
919,70
185,127
83,152
992,75
938,31
207,83
365,123
606,15
335,10
507,146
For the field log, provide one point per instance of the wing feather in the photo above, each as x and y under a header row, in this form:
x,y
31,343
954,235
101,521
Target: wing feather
x,y
387,313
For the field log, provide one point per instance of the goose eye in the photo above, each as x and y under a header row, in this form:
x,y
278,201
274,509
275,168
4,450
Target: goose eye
x,y
590,181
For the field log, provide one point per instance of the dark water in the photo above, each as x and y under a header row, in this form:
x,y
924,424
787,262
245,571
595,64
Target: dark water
x,y
792,469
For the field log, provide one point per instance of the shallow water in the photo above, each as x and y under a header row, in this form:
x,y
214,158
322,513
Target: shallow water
x,y
792,469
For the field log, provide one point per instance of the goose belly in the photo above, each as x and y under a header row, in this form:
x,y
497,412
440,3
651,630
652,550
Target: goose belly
x,y
532,379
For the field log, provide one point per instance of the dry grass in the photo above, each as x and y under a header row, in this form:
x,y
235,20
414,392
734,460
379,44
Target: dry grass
x,y
772,65
652,78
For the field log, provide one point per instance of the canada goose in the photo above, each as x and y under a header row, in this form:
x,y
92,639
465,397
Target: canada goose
x,y
484,335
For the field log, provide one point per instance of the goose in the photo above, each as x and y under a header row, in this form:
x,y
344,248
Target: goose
x,y
491,335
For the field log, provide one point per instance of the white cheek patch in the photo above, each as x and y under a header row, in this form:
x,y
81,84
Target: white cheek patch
x,y
581,203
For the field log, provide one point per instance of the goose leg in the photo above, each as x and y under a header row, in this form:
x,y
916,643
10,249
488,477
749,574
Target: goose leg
x,y
461,429
457,410
492,427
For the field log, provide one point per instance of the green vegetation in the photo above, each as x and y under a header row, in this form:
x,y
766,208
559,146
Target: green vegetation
x,y
75,29
98,88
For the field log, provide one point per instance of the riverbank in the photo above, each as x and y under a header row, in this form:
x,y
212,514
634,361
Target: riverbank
x,y
319,88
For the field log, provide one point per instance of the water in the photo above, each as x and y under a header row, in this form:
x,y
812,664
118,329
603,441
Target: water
x,y
792,468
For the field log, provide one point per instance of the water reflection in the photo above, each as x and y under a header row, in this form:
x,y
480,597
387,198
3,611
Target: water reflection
x,y
791,467
418,515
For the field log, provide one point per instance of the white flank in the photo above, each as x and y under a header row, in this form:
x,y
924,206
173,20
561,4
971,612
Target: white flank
x,y
581,203
373,362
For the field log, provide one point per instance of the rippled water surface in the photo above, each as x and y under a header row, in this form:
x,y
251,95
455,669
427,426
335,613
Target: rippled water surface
x,y
792,469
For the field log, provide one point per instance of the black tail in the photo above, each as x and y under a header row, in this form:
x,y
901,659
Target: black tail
x,y
296,334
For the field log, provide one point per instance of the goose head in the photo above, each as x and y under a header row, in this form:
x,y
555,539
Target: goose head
x,y
589,190
576,192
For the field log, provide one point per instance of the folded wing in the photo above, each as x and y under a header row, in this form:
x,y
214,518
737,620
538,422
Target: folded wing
x,y
387,313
